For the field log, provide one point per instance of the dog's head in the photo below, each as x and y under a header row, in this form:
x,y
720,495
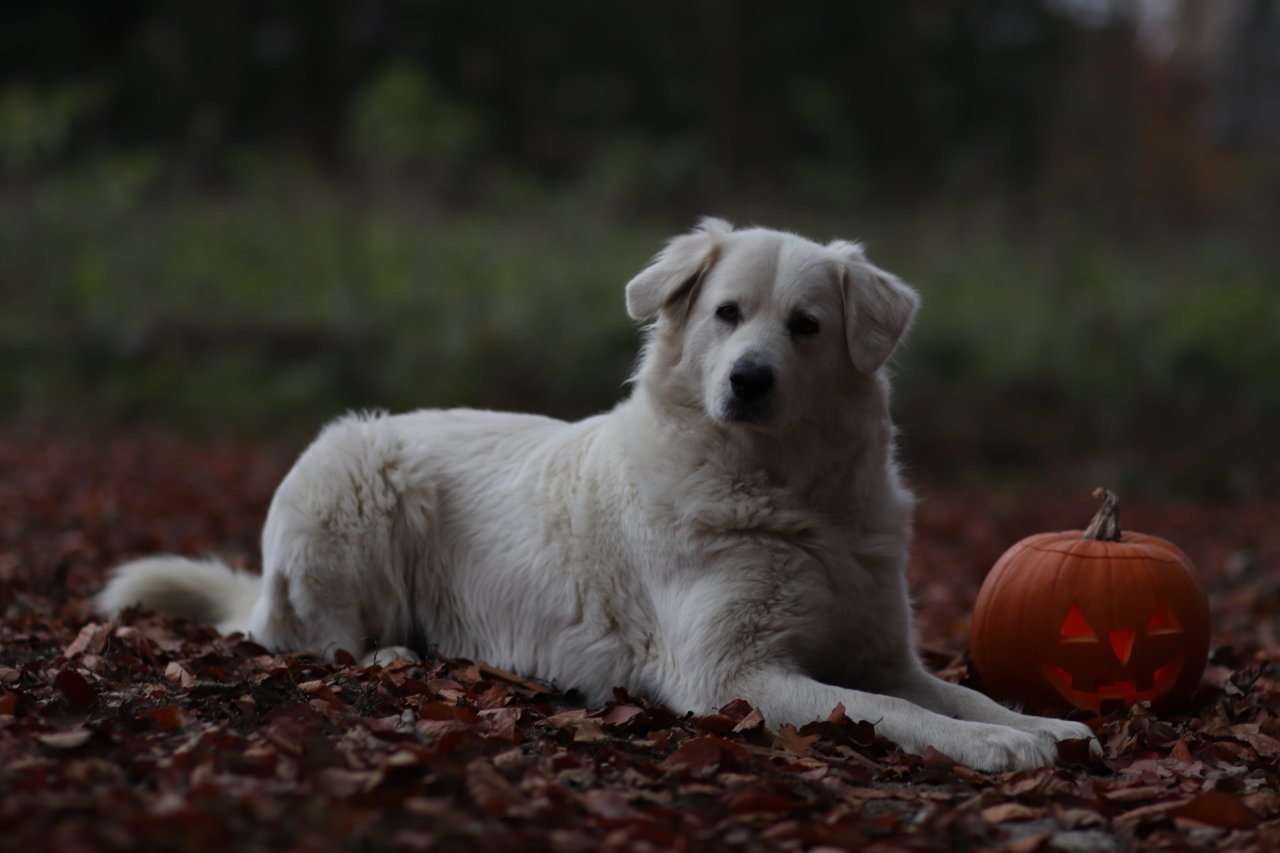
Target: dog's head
x,y
760,328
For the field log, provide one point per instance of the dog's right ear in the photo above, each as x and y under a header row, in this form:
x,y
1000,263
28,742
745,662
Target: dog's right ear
x,y
676,270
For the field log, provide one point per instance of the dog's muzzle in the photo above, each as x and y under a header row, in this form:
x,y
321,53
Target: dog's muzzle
x,y
750,383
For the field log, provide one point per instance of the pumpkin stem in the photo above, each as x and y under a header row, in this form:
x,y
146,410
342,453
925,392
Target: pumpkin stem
x,y
1106,524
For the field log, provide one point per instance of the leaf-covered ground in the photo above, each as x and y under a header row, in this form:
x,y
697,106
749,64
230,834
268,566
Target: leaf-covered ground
x,y
164,734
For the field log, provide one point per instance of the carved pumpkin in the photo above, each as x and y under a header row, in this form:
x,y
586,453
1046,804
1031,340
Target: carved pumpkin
x,y
1091,619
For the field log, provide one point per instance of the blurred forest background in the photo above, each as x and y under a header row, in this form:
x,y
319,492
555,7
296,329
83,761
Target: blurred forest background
x,y
241,218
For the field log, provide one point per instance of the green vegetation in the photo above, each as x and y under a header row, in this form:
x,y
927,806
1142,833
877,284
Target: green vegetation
x,y
267,310
1158,354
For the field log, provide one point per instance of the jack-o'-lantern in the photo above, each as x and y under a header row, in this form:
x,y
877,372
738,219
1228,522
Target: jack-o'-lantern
x,y
1091,619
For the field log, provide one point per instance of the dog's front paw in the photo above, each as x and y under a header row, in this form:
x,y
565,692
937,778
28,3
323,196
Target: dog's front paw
x,y
1051,731
995,748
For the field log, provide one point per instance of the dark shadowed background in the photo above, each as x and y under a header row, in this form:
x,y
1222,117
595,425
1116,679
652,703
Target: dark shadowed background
x,y
238,219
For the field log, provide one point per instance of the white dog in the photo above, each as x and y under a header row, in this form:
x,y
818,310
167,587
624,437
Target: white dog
x,y
736,528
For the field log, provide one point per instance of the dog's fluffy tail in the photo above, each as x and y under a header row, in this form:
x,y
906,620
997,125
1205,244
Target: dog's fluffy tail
x,y
202,590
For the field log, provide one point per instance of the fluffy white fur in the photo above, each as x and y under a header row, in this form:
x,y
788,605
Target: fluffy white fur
x,y
696,544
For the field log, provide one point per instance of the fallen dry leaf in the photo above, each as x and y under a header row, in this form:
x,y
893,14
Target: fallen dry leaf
x,y
792,741
1218,809
65,740
1006,812
76,688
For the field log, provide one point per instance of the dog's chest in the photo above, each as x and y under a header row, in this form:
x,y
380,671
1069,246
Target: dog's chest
x,y
850,604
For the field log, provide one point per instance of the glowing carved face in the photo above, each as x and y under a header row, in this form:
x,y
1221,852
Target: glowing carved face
x,y
1124,664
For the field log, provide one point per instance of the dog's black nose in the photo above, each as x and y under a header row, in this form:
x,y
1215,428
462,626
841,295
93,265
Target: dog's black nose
x,y
750,381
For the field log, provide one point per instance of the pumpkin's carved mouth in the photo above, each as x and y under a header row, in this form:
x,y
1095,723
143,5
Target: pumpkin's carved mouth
x,y
1094,692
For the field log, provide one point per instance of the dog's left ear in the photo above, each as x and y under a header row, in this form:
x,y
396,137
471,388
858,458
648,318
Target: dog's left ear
x,y
676,269
878,308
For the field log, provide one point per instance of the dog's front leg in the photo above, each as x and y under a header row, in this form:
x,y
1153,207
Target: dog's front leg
x,y
789,697
928,691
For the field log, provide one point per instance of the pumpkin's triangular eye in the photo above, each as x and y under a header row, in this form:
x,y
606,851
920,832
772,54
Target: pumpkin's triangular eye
x,y
1163,621
1075,629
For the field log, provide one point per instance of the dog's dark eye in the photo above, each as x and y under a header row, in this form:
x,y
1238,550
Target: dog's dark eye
x,y
729,312
802,326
